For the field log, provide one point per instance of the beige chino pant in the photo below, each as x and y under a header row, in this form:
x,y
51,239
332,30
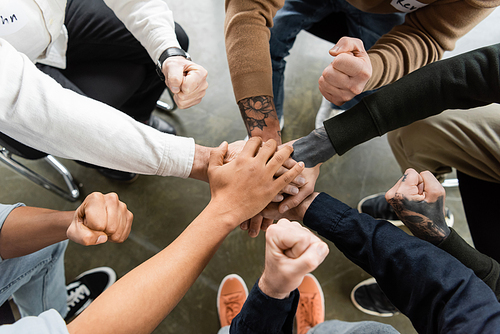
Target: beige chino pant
x,y
468,140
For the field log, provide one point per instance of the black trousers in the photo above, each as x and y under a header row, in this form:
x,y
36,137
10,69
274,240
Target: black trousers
x,y
105,61
480,199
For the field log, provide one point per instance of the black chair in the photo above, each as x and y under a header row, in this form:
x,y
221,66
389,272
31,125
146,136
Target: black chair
x,y
6,314
165,106
12,147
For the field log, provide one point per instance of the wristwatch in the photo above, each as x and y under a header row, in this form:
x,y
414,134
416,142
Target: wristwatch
x,y
170,52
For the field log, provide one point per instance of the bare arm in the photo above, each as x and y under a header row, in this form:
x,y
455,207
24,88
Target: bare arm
x,y
100,218
240,189
27,230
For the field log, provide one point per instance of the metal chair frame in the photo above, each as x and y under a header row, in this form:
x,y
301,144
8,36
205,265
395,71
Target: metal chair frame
x,y
71,194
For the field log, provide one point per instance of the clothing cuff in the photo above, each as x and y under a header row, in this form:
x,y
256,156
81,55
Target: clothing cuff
x,y
5,210
351,128
316,217
264,314
178,156
313,149
454,244
250,85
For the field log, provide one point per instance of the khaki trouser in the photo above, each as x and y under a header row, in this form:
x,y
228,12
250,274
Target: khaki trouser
x,y
468,140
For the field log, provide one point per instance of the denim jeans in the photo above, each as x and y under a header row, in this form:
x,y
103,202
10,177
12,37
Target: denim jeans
x,y
297,15
343,327
36,281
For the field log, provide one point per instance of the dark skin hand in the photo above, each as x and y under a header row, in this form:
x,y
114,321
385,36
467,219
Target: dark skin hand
x,y
418,200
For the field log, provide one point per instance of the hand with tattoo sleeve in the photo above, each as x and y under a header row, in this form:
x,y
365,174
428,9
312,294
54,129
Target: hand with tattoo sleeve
x,y
418,200
261,120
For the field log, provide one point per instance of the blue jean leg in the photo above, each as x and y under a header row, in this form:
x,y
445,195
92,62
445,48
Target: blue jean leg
x,y
224,330
343,327
36,281
298,15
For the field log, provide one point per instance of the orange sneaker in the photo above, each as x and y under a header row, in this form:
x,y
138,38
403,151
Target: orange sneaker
x,y
230,298
311,308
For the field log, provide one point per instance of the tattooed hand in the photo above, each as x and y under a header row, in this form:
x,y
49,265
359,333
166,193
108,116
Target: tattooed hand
x,y
259,115
418,200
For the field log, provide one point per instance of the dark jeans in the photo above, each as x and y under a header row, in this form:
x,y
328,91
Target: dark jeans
x,y
105,61
327,19
480,199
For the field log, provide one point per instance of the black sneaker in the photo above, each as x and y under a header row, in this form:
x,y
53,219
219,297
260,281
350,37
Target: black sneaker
x,y
369,298
117,175
377,207
86,287
161,125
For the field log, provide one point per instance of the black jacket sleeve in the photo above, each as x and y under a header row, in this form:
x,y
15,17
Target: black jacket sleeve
x,y
465,81
262,314
437,292
483,266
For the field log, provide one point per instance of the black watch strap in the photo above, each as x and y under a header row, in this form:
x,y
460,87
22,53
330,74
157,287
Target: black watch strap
x,y
170,52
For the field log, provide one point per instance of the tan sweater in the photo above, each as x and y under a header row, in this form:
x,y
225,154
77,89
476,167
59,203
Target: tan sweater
x,y
424,36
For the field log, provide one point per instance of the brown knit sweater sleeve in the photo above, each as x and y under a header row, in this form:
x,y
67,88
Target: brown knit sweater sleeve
x,y
423,37
246,30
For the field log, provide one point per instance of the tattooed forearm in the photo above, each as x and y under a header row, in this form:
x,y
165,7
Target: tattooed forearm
x,y
425,220
258,112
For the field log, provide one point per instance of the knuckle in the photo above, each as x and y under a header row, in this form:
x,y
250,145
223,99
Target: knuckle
x,y
112,197
95,196
279,158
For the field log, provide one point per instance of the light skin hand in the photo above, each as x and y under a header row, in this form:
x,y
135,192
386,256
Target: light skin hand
x,y
186,80
292,251
100,218
297,213
311,175
418,200
348,73
244,186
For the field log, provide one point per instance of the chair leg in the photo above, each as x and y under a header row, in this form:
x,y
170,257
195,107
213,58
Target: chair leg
x,y
71,194
448,183
164,106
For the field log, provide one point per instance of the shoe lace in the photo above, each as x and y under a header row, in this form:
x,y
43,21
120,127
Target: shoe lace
x,y
233,305
76,295
306,310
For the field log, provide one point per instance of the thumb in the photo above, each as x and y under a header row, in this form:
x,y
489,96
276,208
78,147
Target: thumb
x,y
83,235
174,76
311,258
217,155
409,185
347,45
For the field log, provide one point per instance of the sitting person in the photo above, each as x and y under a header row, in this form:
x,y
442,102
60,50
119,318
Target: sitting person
x,y
109,54
239,189
32,246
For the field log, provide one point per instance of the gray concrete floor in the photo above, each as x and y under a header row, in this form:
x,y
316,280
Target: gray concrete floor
x,y
164,206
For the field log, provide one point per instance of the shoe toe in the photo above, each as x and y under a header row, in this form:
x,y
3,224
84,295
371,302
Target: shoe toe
x,y
161,125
